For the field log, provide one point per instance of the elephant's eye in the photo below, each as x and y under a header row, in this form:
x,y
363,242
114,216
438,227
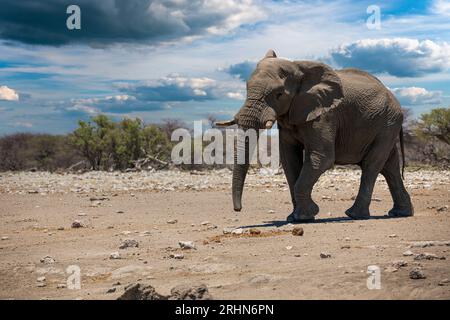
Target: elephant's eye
x,y
279,94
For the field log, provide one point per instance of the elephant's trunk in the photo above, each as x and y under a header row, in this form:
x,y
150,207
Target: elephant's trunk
x,y
254,115
240,172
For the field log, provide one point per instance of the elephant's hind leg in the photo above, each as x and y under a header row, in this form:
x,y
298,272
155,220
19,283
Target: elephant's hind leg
x,y
402,202
371,166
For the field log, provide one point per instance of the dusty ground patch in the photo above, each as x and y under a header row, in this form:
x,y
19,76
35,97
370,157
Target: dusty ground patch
x,y
38,209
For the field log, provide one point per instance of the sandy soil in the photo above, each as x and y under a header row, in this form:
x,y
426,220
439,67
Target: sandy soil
x,y
38,209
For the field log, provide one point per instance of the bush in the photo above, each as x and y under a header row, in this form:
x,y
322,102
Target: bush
x,y
25,151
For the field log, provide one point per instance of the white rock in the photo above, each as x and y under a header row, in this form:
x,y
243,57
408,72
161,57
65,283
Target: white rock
x,y
177,256
186,245
227,230
238,231
115,255
47,260
408,253
325,255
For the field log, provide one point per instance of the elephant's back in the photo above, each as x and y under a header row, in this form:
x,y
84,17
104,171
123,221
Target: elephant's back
x,y
367,111
368,96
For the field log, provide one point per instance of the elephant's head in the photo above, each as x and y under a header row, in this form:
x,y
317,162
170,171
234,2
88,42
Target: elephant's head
x,y
299,91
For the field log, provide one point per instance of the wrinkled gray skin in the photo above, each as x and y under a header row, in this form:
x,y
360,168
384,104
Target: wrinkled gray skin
x,y
324,117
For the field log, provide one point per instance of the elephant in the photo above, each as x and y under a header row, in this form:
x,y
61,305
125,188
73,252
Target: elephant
x,y
325,117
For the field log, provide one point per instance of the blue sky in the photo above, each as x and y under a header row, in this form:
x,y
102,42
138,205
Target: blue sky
x,y
188,59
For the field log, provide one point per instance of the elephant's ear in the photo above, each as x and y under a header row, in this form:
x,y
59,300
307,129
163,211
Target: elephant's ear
x,y
320,91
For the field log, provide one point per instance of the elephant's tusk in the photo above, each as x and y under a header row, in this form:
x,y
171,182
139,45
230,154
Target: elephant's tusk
x,y
225,123
269,124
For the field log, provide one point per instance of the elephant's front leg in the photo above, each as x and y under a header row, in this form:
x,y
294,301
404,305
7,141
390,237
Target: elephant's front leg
x,y
292,161
315,164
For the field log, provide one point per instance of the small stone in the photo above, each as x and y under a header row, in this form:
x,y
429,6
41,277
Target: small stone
x,y
442,209
346,246
204,223
254,231
60,286
82,214
196,292
237,231
408,253
417,273
178,256
297,231
60,228
115,255
325,255
227,230
391,269
47,260
129,243
271,211
392,236
428,256
41,284
444,282
120,211
77,224
173,221
347,239
111,290
289,248
261,278
5,238
186,245
399,263
41,279
139,291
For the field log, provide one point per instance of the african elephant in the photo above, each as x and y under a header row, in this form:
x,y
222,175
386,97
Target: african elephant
x,y
325,117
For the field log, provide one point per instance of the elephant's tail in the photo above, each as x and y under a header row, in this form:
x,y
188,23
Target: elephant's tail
x,y
402,149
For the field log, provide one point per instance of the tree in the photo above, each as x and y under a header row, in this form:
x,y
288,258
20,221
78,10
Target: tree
x,y
94,140
108,145
435,124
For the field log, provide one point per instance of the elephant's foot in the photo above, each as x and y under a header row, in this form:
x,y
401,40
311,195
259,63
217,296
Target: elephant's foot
x,y
304,216
397,211
358,213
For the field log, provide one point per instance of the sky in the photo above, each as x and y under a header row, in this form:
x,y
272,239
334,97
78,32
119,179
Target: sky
x,y
189,59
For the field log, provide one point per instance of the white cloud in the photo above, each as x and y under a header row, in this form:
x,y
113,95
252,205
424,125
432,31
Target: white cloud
x,y
441,7
401,57
23,124
417,96
237,13
80,108
235,95
8,94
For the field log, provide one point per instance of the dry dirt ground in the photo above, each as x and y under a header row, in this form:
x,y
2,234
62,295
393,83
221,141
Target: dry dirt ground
x,y
38,209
